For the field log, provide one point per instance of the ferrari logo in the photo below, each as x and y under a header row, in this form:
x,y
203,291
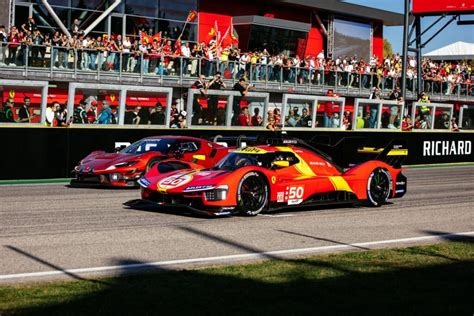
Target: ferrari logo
x,y
112,97
12,94
274,179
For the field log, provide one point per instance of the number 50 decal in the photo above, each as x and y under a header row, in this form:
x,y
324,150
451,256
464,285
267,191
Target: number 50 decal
x,y
295,193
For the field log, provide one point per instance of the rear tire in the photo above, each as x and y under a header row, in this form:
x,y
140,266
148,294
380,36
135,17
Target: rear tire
x,y
379,187
252,194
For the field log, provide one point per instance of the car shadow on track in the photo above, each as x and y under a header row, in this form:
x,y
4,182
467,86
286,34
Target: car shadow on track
x,y
141,205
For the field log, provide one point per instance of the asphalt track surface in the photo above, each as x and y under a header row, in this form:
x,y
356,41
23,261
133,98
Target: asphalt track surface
x,y
69,232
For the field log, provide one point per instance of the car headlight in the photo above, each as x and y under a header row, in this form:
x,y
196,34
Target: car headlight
x,y
123,164
218,194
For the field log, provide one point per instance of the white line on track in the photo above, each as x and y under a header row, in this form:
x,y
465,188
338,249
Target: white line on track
x,y
245,256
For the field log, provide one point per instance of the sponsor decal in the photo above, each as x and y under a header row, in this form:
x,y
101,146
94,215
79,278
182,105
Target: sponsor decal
x,y
174,181
447,148
252,150
317,163
295,202
294,195
198,188
280,197
144,182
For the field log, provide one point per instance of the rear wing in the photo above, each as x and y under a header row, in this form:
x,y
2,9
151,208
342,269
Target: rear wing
x,y
393,154
235,141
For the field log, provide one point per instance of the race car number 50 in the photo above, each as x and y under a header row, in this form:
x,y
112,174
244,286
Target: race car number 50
x,y
295,193
292,195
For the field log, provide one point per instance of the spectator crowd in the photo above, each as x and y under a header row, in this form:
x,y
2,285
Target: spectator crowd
x,y
159,54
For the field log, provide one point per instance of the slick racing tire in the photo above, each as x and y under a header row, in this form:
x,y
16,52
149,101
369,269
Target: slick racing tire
x,y
379,186
153,162
252,194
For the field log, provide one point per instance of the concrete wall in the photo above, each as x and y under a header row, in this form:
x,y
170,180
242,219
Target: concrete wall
x,y
4,11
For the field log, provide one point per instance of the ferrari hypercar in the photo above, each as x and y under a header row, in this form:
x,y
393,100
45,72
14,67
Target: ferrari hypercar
x,y
125,167
267,177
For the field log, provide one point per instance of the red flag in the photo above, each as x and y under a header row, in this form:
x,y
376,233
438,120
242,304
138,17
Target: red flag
x,y
157,37
234,39
192,16
144,38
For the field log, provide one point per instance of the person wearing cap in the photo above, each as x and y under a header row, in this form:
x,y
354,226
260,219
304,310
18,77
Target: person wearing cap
x,y
91,113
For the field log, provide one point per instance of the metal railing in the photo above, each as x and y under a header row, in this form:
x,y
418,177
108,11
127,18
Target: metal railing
x,y
100,63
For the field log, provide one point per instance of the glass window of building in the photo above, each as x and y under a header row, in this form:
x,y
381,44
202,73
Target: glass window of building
x,y
21,104
145,108
96,106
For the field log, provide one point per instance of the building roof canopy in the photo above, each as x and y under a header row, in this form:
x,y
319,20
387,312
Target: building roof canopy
x,y
338,7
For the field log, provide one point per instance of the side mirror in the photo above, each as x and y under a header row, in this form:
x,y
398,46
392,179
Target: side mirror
x,y
199,157
281,163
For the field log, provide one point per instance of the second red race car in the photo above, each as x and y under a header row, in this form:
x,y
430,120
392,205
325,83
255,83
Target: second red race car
x,y
125,167
268,177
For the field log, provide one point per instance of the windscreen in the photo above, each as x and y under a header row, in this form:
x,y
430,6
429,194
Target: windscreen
x,y
160,145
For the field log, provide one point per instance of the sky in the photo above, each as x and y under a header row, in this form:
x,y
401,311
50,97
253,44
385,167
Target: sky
x,y
394,34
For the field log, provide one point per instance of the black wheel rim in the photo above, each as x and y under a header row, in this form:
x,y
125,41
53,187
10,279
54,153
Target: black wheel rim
x,y
252,194
379,186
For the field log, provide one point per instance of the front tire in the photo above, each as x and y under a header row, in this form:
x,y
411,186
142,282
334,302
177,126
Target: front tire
x,y
153,162
379,186
252,194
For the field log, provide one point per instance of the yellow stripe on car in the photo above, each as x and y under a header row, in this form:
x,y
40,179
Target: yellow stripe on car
x,y
301,166
340,184
393,152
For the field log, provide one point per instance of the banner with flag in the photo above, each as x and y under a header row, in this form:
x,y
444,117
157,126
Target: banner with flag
x,y
145,38
157,37
210,35
192,16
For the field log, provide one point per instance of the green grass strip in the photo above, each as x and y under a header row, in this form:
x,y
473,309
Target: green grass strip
x,y
35,181
425,280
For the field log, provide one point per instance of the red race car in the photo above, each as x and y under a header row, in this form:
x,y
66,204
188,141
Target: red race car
x,y
282,174
125,167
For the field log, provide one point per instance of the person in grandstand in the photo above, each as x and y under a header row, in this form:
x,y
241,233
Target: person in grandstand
x,y
215,84
80,116
92,112
143,116
256,118
305,120
244,117
291,120
6,114
407,124
442,121
105,115
3,45
157,116
374,108
24,114
60,115
243,88
50,115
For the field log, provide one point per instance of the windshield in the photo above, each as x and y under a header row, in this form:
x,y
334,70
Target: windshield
x,y
159,145
238,160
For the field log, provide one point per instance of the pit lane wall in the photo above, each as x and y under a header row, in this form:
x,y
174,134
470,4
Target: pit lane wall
x,y
42,152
